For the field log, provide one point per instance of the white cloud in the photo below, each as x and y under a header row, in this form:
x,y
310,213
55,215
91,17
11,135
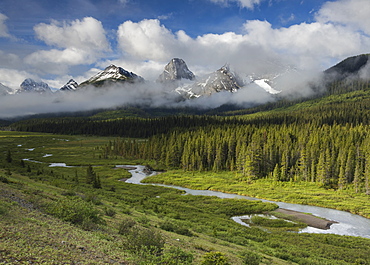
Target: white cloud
x,y
310,45
58,61
13,78
260,49
146,39
79,42
242,3
352,13
3,27
87,33
9,60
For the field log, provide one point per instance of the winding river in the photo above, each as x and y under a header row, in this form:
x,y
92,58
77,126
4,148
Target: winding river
x,y
348,224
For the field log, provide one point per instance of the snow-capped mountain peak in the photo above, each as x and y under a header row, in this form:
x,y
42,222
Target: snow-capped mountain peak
x,y
221,80
70,86
112,74
30,85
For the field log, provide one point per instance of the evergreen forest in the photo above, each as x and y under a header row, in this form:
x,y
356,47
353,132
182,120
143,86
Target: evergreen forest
x,y
64,199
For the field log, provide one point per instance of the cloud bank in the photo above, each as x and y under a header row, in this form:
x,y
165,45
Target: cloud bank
x,y
339,29
79,42
3,28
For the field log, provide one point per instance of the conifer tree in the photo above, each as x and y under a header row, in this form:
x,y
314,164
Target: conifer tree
x,y
9,158
90,175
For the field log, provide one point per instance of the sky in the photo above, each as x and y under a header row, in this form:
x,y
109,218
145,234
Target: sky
x,y
55,41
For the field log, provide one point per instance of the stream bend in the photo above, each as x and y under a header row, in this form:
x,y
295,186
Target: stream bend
x,y
347,224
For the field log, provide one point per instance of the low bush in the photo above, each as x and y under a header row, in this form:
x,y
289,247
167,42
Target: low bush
x,y
126,225
268,222
4,208
76,211
171,227
93,199
251,258
109,212
175,256
214,258
143,239
4,179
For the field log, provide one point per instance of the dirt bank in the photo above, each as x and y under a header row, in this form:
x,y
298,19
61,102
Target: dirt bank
x,y
308,219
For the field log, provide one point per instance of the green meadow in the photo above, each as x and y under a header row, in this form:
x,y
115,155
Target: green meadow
x,y
56,215
292,192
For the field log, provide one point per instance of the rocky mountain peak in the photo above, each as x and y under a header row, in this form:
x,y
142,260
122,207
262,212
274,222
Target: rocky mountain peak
x,y
112,74
221,80
176,69
70,86
30,85
4,90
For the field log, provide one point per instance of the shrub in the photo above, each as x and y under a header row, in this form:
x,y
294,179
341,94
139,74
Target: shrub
x,y
251,258
4,180
171,227
76,211
143,239
126,225
93,199
175,256
4,208
109,212
214,258
267,222
69,193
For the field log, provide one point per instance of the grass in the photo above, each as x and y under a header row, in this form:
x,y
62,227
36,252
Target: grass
x,y
301,193
194,225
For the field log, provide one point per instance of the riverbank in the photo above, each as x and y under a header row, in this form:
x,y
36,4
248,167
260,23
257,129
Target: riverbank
x,y
304,193
308,219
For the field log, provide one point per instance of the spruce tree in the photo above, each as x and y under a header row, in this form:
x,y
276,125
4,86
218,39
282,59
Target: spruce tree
x,y
9,158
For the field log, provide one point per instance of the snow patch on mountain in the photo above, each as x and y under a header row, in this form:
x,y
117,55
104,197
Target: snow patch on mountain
x,y
4,90
70,86
112,74
265,84
221,80
30,85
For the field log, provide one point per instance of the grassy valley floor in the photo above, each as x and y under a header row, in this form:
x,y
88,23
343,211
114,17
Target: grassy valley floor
x,y
51,215
292,192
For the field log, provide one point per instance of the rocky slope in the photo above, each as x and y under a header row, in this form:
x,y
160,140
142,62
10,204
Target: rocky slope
x,y
221,80
112,75
30,85
70,86
176,69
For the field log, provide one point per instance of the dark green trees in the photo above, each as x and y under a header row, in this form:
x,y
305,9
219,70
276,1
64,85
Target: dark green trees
x,y
92,178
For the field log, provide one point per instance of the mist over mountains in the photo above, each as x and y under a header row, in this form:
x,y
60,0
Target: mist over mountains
x,y
176,87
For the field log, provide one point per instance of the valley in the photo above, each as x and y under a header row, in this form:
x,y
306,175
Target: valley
x,y
62,170
195,224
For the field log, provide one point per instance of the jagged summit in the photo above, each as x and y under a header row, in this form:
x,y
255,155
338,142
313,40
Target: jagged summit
x,y
176,69
70,86
221,80
4,90
112,74
30,85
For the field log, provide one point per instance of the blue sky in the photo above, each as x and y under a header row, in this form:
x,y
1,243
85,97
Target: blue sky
x,y
58,40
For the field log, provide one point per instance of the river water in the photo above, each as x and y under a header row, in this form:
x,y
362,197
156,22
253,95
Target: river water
x,y
348,224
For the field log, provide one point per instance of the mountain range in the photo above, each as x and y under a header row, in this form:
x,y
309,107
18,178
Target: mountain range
x,y
178,79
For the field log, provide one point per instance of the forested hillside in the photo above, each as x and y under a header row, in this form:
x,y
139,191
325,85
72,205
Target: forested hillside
x,y
323,140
